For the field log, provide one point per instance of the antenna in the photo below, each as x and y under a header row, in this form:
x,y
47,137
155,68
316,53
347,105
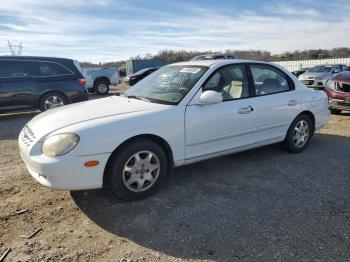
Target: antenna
x,y
12,48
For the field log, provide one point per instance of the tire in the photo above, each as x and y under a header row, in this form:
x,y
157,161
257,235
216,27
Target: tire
x,y
296,142
52,100
128,178
101,87
335,111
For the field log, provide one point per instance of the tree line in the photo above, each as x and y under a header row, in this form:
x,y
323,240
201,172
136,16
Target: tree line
x,y
261,55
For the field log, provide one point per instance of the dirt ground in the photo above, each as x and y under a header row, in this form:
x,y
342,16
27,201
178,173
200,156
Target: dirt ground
x,y
260,205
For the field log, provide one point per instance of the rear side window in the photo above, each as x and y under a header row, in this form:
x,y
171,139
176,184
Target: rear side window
x,y
51,69
268,80
13,69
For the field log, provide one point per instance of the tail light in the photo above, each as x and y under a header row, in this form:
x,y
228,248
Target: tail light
x,y
82,81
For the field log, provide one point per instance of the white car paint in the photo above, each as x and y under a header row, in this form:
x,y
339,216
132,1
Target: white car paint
x,y
193,131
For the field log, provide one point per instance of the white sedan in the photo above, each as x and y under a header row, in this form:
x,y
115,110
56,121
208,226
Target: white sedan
x,y
183,113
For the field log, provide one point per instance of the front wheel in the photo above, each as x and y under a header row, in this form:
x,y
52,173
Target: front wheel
x,y
137,170
299,134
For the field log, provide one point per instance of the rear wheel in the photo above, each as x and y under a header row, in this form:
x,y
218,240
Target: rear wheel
x,y
52,100
137,170
335,111
101,87
299,134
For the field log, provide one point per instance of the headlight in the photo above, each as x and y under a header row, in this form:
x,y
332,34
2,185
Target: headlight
x,y
60,144
330,84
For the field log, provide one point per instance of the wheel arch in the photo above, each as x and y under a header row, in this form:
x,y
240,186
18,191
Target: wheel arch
x,y
311,115
155,138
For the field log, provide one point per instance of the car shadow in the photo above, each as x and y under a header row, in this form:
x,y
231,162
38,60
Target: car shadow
x,y
259,204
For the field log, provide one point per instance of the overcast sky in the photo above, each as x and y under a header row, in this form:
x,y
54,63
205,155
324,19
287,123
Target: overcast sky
x,y
106,30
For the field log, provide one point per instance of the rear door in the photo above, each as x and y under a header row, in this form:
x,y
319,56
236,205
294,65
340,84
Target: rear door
x,y
53,76
276,101
17,85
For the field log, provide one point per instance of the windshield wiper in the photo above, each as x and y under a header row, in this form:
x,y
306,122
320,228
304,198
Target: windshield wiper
x,y
137,97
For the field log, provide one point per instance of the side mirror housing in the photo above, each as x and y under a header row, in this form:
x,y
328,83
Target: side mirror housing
x,y
210,97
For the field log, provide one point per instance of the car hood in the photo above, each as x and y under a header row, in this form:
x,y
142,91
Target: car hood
x,y
52,120
318,75
342,77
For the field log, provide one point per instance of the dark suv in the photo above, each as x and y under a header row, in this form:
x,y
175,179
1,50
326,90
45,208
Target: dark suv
x,y
40,82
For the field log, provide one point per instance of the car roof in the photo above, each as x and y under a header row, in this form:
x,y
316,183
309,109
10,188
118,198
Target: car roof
x,y
36,58
210,63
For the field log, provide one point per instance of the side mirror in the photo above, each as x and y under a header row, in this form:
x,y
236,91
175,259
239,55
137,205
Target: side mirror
x,y
210,97
335,71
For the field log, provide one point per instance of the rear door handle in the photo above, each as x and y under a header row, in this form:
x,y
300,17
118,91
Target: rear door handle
x,y
292,102
246,110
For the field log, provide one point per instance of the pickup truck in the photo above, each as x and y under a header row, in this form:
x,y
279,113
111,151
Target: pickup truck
x,y
98,80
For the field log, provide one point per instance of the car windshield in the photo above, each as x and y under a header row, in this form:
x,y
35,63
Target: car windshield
x,y
321,69
167,85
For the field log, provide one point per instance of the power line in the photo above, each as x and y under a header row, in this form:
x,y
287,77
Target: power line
x,y
13,48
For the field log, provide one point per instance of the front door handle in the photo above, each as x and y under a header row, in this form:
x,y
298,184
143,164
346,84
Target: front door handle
x,y
292,102
246,110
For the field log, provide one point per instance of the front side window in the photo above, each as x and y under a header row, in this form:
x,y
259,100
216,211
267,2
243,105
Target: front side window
x,y
268,80
51,69
167,85
230,81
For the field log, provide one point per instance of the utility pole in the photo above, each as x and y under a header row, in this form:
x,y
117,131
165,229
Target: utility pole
x,y
12,48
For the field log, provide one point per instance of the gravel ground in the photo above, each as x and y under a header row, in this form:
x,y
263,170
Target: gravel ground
x,y
261,205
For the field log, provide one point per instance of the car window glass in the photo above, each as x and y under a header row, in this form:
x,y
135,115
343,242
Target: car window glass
x,y
168,84
230,81
13,69
268,80
51,69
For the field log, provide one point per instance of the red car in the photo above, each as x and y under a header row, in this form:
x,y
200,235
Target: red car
x,y
338,91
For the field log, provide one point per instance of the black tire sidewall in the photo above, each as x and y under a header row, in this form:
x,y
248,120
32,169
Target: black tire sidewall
x,y
335,111
44,97
118,161
288,142
99,83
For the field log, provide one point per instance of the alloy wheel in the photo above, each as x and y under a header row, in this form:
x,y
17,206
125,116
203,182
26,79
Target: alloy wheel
x,y
301,133
141,171
53,102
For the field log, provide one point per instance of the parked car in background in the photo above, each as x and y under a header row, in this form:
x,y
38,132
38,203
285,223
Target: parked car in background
x,y
134,78
98,80
122,72
135,65
316,77
338,91
212,57
40,82
300,71
209,108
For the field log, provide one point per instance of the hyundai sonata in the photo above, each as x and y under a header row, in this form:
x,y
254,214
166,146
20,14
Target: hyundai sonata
x,y
180,114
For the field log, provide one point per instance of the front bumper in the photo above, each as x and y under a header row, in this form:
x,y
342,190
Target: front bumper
x,y
339,104
65,172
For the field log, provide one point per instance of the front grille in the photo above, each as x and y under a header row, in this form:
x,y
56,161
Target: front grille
x,y
344,87
27,136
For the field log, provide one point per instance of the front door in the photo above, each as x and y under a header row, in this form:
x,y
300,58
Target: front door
x,y
218,128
